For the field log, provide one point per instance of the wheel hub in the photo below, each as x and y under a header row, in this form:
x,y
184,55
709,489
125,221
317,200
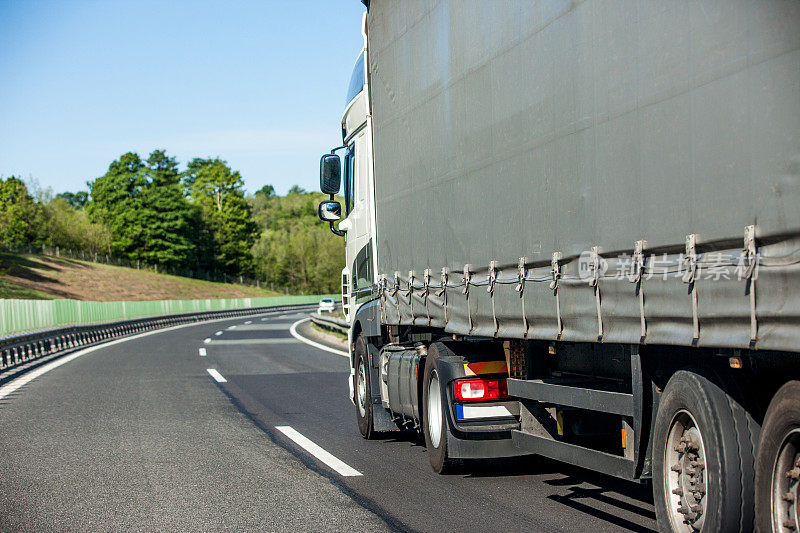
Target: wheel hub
x,y
685,479
786,485
434,410
362,389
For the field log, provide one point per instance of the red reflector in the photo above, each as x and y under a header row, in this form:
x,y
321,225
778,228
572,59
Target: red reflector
x,y
480,390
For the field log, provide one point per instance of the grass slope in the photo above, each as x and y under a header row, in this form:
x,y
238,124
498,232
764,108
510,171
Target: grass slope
x,y
43,277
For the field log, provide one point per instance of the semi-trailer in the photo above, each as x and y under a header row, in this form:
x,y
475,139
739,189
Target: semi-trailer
x,y
572,230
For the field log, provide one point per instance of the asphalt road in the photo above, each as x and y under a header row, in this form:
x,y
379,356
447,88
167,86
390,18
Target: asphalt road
x,y
140,436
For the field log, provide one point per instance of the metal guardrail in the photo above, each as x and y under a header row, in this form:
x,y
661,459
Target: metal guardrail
x,y
18,350
330,323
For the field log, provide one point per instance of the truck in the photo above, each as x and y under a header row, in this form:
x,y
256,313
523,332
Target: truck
x,y
572,230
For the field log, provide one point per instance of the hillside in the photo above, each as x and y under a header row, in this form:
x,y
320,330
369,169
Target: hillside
x,y
45,277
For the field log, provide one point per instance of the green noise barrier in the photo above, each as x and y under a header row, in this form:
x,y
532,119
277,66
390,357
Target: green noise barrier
x,y
17,316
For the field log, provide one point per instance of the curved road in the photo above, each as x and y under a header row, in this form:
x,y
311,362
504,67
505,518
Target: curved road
x,y
140,435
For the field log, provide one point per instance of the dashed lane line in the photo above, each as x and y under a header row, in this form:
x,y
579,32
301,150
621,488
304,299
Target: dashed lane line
x,y
216,375
334,463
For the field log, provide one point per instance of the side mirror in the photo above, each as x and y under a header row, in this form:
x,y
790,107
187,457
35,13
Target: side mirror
x,y
330,173
330,211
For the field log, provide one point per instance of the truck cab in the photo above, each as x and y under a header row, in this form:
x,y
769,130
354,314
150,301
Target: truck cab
x,y
355,169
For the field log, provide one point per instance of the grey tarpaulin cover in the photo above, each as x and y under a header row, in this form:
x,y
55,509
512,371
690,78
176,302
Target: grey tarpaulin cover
x,y
519,129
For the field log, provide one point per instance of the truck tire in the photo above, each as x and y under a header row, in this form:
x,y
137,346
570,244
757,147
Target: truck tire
x,y
703,457
778,463
434,422
363,390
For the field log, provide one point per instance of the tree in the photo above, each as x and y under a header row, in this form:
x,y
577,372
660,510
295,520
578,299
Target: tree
x,y
164,214
295,251
218,194
144,206
70,229
267,191
77,200
18,213
115,201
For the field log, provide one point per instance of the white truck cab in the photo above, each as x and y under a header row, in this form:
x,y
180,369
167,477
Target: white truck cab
x,y
354,168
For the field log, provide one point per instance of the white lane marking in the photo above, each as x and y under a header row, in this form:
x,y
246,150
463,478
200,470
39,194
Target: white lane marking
x,y
342,468
293,331
216,375
202,352
273,326
206,341
280,340
218,333
248,322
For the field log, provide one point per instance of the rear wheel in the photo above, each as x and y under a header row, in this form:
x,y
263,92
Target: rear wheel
x,y
363,391
702,458
778,464
434,423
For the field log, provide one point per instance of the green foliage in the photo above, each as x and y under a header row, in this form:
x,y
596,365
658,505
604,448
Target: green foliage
x,y
143,205
295,250
218,194
198,221
70,229
76,200
18,213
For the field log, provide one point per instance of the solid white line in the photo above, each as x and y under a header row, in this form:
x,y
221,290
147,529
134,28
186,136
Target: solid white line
x,y
293,331
218,333
202,352
216,375
342,468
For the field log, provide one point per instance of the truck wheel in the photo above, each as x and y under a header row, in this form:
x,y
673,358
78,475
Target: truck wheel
x,y
702,458
778,463
433,418
363,391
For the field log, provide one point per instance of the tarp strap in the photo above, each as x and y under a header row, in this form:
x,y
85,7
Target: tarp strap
x,y
467,280
410,293
555,270
395,290
382,288
492,277
520,288
594,282
426,277
690,277
637,277
443,293
750,258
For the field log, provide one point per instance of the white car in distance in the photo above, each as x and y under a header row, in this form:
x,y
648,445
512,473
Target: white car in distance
x,y
326,305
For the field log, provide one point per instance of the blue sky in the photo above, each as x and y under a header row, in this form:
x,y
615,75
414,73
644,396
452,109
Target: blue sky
x,y
259,84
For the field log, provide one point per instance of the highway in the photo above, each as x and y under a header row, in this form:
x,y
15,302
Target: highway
x,y
236,424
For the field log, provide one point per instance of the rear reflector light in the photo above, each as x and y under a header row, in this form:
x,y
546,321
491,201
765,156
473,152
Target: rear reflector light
x,y
481,390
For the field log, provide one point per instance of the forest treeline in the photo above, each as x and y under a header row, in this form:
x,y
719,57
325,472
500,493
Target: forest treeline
x,y
198,221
